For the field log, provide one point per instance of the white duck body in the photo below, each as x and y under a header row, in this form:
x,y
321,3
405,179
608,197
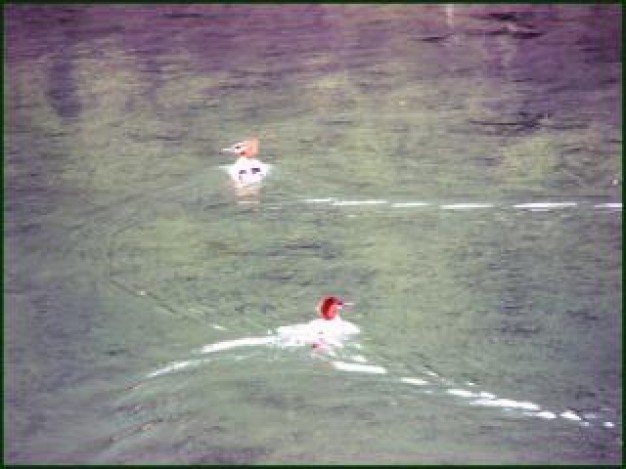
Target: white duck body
x,y
319,332
247,171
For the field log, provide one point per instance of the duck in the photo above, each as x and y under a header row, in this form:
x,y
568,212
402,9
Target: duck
x,y
247,170
326,332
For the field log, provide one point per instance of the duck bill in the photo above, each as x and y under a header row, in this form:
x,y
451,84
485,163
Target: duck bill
x,y
229,150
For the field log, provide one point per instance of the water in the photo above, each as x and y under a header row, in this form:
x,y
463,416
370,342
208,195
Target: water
x,y
454,171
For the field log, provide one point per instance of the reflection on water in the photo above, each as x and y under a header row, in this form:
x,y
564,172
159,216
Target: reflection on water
x,y
454,169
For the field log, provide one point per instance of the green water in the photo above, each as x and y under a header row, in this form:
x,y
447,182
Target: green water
x,y
126,249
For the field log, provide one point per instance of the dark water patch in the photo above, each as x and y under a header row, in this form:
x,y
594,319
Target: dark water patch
x,y
183,15
519,330
522,122
514,16
62,91
516,32
91,33
206,453
583,315
431,39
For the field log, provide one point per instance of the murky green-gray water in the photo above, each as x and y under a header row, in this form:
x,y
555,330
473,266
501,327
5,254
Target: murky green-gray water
x,y
408,145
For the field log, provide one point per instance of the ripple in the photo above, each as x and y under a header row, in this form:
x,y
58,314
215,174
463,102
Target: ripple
x,y
414,381
461,393
235,343
175,366
616,205
350,203
506,403
570,415
359,368
409,204
459,206
543,206
544,414
326,200
465,206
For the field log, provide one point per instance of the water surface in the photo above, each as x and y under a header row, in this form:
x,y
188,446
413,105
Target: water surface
x,y
455,171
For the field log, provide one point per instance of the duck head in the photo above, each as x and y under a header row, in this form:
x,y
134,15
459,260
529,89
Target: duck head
x,y
248,148
329,307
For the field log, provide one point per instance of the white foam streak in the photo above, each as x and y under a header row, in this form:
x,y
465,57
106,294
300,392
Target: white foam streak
x,y
465,206
545,205
530,206
230,344
461,393
359,368
358,358
544,414
320,201
414,381
609,205
176,366
570,415
409,204
350,203
506,403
